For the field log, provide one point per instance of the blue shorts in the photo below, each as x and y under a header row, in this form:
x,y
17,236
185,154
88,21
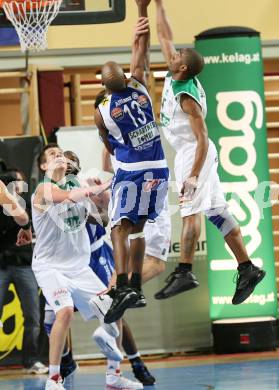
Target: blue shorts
x,y
132,200
102,263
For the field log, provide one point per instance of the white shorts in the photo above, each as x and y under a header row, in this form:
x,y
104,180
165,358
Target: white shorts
x,y
63,289
158,235
209,194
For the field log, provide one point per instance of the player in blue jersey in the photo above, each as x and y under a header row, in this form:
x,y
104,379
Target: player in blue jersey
x,y
127,125
102,263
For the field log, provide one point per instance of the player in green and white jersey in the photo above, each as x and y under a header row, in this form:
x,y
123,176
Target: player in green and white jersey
x,y
62,253
183,114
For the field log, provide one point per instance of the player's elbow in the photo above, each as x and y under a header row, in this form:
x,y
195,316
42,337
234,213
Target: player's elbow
x,y
202,135
22,219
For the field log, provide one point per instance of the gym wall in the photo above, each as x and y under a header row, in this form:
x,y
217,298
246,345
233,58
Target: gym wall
x,y
187,21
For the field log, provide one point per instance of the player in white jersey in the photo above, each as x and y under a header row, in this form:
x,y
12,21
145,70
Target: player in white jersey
x,y
183,114
62,253
102,264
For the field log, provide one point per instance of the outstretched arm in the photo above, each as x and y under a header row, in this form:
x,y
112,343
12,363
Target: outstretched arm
x,y
164,32
12,207
141,42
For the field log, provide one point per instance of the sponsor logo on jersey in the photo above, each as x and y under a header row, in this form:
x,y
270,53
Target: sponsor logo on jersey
x,y
143,101
103,261
144,134
165,120
123,101
135,95
60,292
105,102
117,113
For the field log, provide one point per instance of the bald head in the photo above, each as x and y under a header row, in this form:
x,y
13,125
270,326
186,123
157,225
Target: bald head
x,y
113,77
193,60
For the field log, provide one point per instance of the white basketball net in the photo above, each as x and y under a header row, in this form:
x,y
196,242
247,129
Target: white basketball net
x,y
31,20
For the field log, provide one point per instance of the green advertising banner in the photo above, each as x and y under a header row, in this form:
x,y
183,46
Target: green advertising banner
x,y
233,82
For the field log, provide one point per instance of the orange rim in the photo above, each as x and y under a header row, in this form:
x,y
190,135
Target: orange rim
x,y
29,3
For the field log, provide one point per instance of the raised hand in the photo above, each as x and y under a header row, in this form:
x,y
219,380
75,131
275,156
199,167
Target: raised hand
x,y
97,189
142,26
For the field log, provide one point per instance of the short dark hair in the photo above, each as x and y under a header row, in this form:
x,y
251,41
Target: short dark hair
x,y
42,158
194,61
75,169
19,171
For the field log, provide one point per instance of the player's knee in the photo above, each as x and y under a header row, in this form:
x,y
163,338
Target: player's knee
x,y
65,315
234,232
161,267
156,265
224,221
49,321
121,230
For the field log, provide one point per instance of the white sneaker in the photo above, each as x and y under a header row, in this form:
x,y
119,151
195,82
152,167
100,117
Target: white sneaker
x,y
117,381
100,305
54,385
37,368
107,344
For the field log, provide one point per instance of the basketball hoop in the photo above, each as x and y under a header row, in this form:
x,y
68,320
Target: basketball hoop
x,y
31,19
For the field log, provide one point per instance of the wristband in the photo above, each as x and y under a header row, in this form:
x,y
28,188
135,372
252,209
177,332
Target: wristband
x,y
27,226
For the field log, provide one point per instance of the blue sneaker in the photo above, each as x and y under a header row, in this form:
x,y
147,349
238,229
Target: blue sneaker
x,y
68,369
142,374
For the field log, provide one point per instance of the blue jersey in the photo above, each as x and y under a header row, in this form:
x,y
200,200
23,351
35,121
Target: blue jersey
x,y
101,260
95,232
133,132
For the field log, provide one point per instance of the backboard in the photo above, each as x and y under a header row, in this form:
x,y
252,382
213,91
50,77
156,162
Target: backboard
x,y
75,12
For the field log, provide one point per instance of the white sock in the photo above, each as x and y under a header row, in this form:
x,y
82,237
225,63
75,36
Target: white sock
x,y
112,366
130,357
54,370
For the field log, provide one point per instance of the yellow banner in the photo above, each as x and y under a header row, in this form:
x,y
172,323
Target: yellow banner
x,y
11,338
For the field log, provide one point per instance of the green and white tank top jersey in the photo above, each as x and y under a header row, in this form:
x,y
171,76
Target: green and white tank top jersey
x,y
175,122
62,241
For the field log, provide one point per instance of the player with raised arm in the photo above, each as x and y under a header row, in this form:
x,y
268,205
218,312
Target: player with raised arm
x,y
12,208
62,253
102,264
183,112
127,125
